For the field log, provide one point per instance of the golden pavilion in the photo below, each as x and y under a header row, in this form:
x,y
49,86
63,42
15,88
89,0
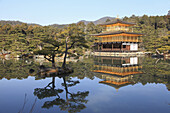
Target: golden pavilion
x,y
117,36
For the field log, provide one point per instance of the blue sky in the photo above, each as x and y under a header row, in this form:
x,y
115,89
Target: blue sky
x,y
47,12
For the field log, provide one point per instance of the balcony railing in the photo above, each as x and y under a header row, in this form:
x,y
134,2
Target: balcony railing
x,y
122,29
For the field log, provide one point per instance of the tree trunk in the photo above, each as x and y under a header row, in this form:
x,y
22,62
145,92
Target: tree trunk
x,y
53,60
65,56
53,82
66,89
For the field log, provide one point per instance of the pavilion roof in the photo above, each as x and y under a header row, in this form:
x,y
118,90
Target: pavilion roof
x,y
115,32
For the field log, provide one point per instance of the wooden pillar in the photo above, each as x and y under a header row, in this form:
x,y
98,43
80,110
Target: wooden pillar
x,y
98,46
112,46
102,46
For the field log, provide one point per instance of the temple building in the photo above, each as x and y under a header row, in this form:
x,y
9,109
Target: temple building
x,y
117,36
117,71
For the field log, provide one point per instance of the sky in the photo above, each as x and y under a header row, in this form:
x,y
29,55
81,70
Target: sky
x,y
47,12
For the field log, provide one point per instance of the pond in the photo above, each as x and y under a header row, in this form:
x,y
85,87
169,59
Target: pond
x,y
97,85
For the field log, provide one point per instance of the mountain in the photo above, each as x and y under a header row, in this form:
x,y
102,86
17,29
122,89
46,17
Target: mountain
x,y
99,21
103,20
3,22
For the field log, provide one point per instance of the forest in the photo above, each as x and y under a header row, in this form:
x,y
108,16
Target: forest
x,y
20,39
156,32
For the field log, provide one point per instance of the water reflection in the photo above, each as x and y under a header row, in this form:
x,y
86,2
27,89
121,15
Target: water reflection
x,y
116,69
117,66
19,69
117,72
73,102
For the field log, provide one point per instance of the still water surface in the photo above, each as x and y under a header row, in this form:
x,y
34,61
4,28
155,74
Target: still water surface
x,y
97,85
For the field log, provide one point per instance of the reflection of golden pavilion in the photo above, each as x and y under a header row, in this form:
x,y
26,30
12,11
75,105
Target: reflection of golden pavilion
x,y
116,81
117,72
117,66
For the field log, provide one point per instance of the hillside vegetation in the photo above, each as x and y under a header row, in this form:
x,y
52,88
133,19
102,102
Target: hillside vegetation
x,y
156,30
21,38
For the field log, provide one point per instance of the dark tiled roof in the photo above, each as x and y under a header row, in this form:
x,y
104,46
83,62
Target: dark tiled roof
x,y
117,21
117,32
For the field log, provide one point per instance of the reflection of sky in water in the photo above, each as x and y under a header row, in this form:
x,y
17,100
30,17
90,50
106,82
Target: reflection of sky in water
x,y
137,98
102,98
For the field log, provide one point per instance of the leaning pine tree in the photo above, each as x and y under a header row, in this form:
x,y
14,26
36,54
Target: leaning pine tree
x,y
50,49
74,41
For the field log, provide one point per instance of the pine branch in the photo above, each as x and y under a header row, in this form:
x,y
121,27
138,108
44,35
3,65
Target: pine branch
x,y
49,59
72,45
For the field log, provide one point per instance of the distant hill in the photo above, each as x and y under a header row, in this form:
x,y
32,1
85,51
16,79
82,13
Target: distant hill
x,y
99,21
58,25
3,22
169,12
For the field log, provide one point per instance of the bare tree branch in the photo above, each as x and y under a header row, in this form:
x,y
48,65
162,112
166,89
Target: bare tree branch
x,y
47,58
33,106
23,104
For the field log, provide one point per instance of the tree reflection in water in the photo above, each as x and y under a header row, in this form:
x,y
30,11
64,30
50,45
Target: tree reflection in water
x,y
153,71
73,102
